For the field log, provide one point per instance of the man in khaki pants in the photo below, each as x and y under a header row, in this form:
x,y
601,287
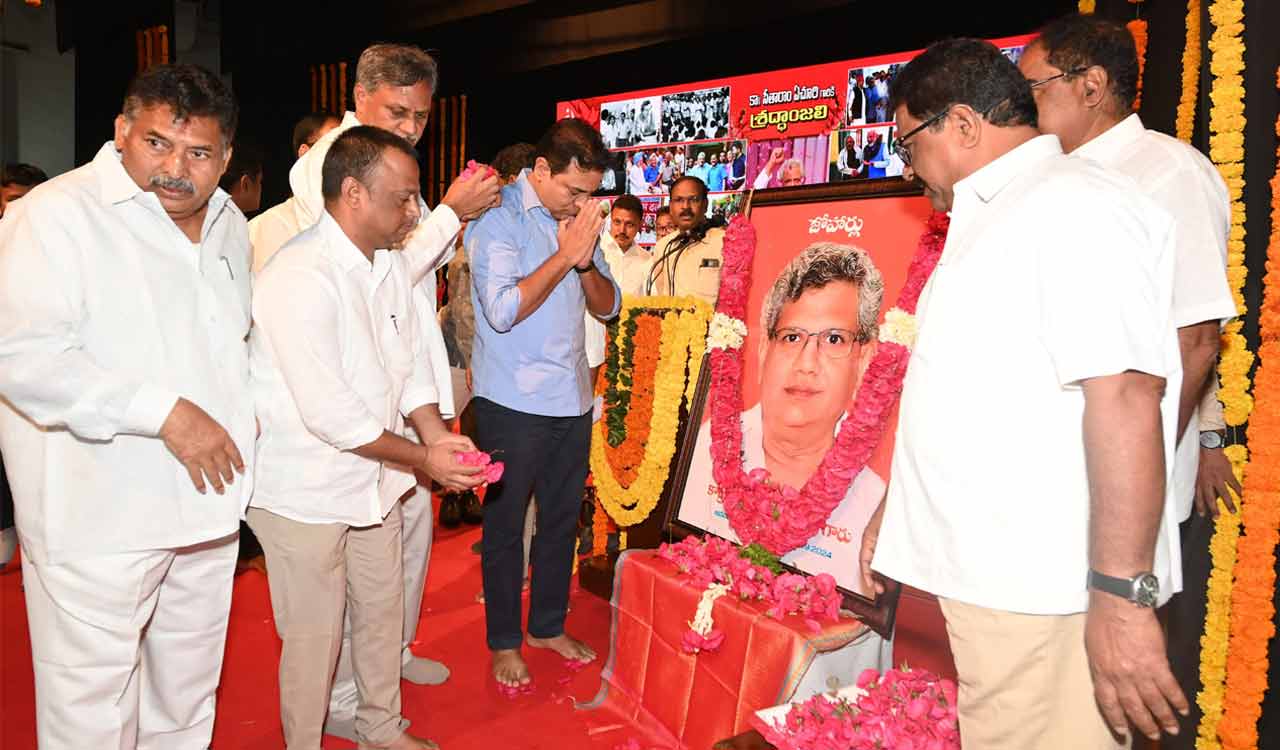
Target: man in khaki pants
x,y
337,358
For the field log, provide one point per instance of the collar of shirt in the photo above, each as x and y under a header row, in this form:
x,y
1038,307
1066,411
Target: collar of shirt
x,y
116,186
529,199
987,182
1109,146
349,257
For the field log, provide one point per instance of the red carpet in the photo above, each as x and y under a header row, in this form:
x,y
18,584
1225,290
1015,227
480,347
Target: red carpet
x,y
466,713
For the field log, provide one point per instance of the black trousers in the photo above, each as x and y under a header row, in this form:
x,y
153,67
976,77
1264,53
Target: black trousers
x,y
545,457
1185,622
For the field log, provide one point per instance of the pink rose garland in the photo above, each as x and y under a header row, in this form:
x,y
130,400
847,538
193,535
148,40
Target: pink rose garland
x,y
778,517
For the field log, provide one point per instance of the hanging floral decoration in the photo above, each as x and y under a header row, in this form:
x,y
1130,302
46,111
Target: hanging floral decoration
x,y
778,517
1252,596
1138,29
655,354
1190,74
1221,723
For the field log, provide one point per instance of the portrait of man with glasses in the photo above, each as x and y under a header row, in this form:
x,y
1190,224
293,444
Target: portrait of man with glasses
x,y
818,327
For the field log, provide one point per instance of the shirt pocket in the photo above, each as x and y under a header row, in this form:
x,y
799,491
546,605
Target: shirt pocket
x,y
707,280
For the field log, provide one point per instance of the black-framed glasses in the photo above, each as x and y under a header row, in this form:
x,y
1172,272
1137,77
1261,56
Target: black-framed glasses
x,y
832,343
1065,74
899,145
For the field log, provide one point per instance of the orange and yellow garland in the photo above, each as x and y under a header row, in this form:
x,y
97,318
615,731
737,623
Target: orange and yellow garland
x,y
1223,688
1252,606
1190,74
667,345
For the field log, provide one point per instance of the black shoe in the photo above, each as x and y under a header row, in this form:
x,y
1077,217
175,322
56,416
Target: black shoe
x,y
450,511
472,510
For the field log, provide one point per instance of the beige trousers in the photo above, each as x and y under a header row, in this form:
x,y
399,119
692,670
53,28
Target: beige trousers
x,y
317,573
1024,681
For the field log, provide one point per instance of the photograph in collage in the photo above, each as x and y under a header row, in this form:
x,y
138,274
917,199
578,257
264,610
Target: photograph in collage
x,y
721,165
701,115
864,153
787,162
867,94
630,123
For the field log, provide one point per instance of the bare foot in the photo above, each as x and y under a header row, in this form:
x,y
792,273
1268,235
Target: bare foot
x,y
567,646
509,668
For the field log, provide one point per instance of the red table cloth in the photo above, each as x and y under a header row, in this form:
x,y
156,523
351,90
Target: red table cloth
x,y
679,700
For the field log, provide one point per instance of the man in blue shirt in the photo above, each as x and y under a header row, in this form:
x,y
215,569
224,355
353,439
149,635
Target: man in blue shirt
x,y
536,266
715,175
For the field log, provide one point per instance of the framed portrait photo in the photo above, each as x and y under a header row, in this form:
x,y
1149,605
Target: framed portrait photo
x,y
799,382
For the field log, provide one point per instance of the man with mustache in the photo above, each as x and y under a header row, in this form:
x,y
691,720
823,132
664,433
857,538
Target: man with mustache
x,y
687,261
123,364
339,362
818,335
393,91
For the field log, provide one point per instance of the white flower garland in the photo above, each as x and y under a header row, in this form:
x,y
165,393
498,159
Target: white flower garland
x,y
726,332
899,327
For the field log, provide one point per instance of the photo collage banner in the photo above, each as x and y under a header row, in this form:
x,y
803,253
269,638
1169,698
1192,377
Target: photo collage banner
x,y
801,126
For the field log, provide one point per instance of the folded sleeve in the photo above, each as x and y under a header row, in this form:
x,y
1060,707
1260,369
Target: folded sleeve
x,y
1106,289
298,310
495,271
1201,208
46,369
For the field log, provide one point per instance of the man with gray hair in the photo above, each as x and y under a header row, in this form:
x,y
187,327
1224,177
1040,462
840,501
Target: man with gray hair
x,y
393,91
817,337
790,174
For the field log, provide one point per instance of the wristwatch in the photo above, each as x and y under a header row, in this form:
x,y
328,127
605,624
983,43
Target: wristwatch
x,y
590,267
1143,589
1212,439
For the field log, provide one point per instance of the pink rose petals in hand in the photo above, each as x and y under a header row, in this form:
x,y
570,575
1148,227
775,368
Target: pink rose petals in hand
x,y
492,469
474,166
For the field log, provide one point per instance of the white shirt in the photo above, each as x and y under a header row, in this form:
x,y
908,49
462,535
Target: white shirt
x,y
427,249
269,230
1183,182
337,357
630,270
832,550
1055,270
109,314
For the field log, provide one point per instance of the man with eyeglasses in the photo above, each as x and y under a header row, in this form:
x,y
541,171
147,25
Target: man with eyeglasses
x,y
818,330
1090,108
1050,544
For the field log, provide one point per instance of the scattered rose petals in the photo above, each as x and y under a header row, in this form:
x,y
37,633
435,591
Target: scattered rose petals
x,y
511,692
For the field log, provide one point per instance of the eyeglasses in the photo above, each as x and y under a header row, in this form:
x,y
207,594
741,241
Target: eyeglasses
x,y
899,144
1073,72
833,343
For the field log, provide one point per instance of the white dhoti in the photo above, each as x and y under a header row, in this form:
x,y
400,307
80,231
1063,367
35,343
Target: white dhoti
x,y
128,647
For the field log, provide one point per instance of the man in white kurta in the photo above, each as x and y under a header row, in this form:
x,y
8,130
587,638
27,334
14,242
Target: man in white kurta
x,y
123,314
393,91
1048,547
338,361
269,230
1092,113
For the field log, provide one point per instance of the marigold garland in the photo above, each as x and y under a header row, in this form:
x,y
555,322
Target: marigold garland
x,y
1252,596
667,332
1190,74
1226,148
1086,6
1138,29
1213,643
